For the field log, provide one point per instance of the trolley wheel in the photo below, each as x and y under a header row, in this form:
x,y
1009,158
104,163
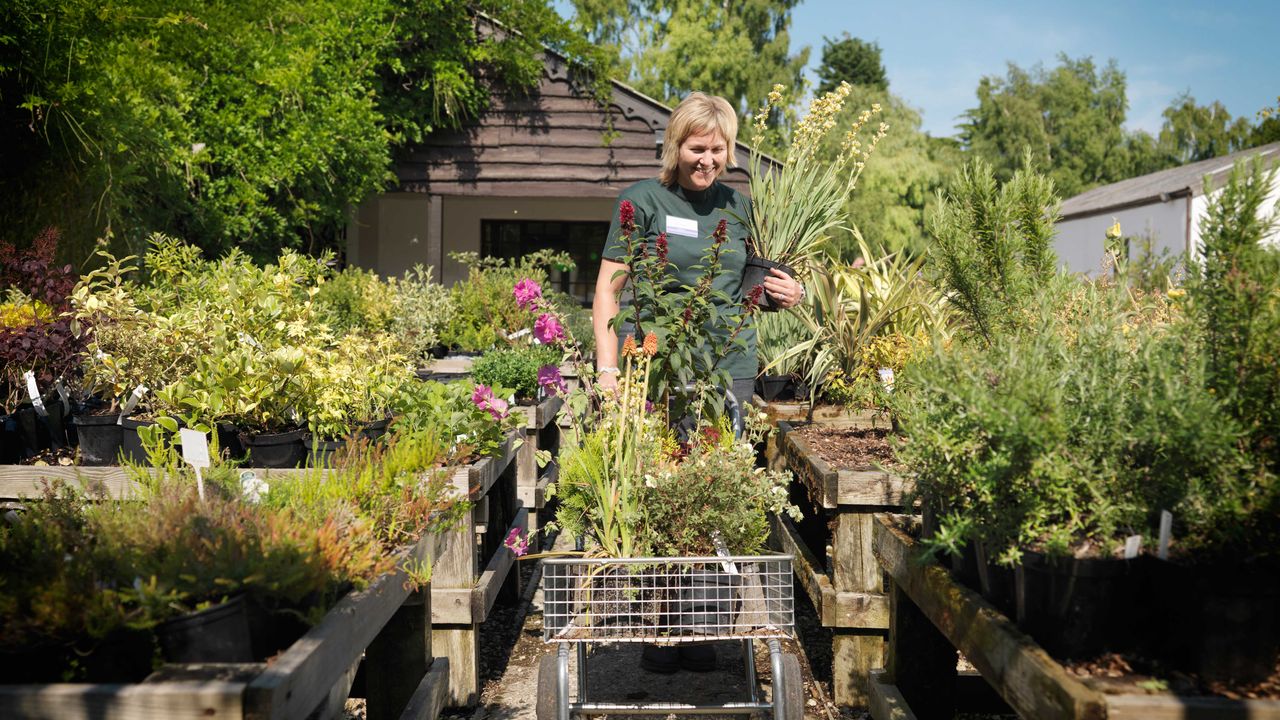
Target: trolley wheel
x,y
792,691
546,707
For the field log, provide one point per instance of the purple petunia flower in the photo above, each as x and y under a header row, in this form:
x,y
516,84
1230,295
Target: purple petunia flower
x,y
550,380
528,293
547,329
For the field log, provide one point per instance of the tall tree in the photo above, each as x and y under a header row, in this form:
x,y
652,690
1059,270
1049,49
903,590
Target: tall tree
x,y
666,48
850,60
1194,132
1070,118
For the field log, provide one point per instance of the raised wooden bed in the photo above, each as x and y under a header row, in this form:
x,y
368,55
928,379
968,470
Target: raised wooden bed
x,y
540,433
850,598
313,675
471,566
20,482
932,616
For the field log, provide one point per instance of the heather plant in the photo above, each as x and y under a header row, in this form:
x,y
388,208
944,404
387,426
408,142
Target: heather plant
x,y
515,367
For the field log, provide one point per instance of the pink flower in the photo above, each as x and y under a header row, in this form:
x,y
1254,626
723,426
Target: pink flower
x,y
516,544
528,293
484,399
662,248
550,380
547,329
626,215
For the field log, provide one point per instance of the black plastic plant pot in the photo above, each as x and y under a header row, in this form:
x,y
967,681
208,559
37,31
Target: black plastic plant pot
x,y
131,449
219,633
276,450
772,387
320,452
124,656
376,429
439,352
708,602
100,438
1079,608
10,443
755,272
229,445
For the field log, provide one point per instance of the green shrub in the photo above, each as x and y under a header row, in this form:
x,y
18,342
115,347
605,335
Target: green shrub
x,y
423,308
356,300
486,308
515,368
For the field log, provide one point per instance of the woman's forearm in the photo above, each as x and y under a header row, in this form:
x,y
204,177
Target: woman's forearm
x,y
603,309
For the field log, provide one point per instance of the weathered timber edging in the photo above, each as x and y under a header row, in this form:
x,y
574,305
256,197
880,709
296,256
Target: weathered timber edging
x,y
541,433
315,671
19,482
832,487
474,481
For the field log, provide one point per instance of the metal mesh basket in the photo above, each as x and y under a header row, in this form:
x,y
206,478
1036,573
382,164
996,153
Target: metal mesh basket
x,y
668,599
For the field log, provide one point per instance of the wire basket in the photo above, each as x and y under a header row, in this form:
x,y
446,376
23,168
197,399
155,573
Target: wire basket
x,y
668,599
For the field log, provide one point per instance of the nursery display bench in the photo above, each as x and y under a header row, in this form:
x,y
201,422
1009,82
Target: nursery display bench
x,y
385,626
849,598
932,616
541,433
668,601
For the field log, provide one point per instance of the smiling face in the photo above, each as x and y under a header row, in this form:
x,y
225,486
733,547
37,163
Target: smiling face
x,y
702,159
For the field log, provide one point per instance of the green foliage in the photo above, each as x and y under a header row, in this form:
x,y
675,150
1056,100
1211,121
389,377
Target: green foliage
x,y
357,382
852,60
515,368
356,300
1194,132
662,46
487,313
992,246
1233,294
447,412
423,308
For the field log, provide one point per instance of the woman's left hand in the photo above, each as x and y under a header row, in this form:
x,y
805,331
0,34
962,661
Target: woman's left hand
x,y
783,288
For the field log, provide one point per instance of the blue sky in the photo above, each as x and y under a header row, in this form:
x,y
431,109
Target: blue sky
x,y
935,51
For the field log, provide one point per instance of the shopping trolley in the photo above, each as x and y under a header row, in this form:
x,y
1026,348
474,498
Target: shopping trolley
x,y
668,600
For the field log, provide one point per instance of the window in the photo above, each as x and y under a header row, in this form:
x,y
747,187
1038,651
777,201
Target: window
x,y
583,241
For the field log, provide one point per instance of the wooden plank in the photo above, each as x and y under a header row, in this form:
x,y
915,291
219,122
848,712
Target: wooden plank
x,y
496,571
816,584
458,644
871,487
886,702
1166,707
187,700
398,658
811,470
18,482
301,676
428,700
921,661
1022,672
483,473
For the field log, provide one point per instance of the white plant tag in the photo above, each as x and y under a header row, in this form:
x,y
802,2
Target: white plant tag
x,y
247,339
1132,546
62,393
682,226
131,403
1166,534
34,391
886,377
195,450
251,488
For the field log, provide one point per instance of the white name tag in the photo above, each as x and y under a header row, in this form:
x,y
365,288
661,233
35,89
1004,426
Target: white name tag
x,y
682,226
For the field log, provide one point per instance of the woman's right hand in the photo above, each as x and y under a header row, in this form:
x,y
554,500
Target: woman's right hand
x,y
607,382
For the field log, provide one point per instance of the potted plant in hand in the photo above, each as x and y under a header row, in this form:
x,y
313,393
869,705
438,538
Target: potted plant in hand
x,y
795,206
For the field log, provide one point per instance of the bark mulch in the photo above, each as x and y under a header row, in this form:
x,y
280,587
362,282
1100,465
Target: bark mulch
x,y
849,448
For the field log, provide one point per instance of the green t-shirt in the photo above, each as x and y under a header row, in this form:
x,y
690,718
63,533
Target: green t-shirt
x,y
674,210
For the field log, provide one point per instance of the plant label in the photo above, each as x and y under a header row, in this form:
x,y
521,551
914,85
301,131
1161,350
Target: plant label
x,y
886,378
1132,546
682,226
195,447
34,391
1166,534
131,403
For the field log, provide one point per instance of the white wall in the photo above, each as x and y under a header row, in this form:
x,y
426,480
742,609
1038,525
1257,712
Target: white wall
x,y
1080,241
1268,206
389,233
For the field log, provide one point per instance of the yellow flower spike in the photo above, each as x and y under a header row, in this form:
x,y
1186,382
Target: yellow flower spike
x,y
1113,232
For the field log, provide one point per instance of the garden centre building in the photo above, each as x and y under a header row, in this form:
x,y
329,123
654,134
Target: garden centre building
x,y
1165,206
534,171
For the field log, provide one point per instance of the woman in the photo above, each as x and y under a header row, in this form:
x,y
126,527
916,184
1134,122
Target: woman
x,y
687,201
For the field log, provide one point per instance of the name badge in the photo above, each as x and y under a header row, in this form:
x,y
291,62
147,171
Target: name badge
x,y
682,226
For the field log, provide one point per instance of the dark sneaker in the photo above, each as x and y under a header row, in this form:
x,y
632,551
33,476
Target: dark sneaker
x,y
662,659
698,657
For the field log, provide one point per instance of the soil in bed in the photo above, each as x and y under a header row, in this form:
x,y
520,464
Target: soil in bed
x,y
1114,673
849,448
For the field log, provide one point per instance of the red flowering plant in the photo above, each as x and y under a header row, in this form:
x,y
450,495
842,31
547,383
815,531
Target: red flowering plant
x,y
697,326
35,333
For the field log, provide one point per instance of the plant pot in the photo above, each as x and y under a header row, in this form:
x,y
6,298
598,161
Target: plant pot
x,y
996,583
708,602
439,352
771,387
100,438
1078,608
1220,621
275,450
229,445
124,656
131,449
755,272
216,634
10,443
273,628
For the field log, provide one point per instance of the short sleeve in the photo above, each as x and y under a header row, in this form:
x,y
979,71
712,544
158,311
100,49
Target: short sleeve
x,y
615,248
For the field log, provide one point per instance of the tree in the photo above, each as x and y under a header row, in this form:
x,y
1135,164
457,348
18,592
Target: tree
x,y
737,49
850,60
1069,118
252,124
1194,132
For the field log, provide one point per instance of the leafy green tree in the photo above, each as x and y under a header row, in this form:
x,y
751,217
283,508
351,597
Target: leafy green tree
x,y
1070,118
850,60
737,49
1194,132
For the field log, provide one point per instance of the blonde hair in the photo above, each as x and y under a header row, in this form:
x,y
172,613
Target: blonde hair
x,y
695,115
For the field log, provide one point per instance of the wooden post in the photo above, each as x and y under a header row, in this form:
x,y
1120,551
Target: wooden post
x,y
398,658
921,662
455,568
855,652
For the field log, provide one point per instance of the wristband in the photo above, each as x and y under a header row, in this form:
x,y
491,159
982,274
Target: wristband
x,y
604,370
